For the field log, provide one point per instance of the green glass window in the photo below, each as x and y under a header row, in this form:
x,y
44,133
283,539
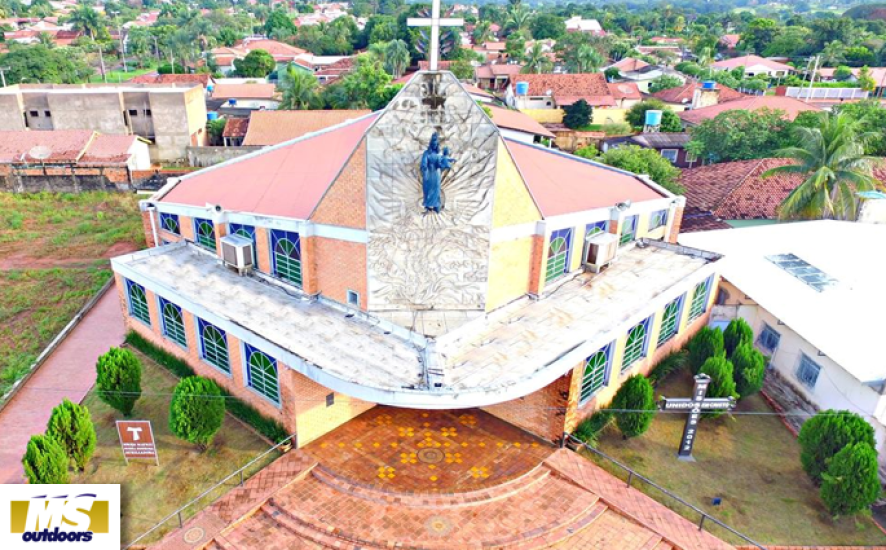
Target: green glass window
x,y
261,373
596,228
635,349
629,230
286,248
205,233
558,254
138,302
658,219
596,373
670,320
173,322
213,345
699,299
169,222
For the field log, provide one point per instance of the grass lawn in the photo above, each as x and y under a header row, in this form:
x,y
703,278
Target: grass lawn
x,y
120,76
752,462
53,258
150,493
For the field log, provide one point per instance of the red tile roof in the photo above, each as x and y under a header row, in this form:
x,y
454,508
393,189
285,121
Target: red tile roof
x,y
236,127
790,106
244,91
624,90
63,146
424,65
695,219
629,64
562,184
684,94
569,88
491,70
109,149
191,78
730,40
288,180
515,120
273,127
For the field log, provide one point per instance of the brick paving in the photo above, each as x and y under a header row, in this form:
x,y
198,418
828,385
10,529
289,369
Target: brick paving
x,y
328,495
68,372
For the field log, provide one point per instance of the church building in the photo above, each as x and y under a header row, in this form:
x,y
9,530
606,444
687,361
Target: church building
x,y
415,257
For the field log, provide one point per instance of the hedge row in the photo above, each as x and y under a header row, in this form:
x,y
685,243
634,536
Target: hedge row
x,y
268,427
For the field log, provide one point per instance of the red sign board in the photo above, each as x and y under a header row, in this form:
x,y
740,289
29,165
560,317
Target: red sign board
x,y
137,439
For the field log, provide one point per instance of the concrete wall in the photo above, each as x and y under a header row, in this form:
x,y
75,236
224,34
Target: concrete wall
x,y
11,108
179,121
90,110
208,156
63,178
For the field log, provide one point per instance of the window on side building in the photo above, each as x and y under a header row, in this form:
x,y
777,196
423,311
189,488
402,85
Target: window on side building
x,y
261,373
807,371
286,256
657,219
700,298
629,229
204,233
670,320
213,345
670,154
173,322
768,339
169,222
558,254
596,373
247,232
596,228
636,346
138,302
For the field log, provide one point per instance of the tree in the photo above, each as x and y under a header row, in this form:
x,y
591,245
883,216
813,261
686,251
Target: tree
x,y
197,410
707,343
636,394
612,73
790,41
737,332
85,19
587,152
38,63
740,135
833,53
536,60
826,434
749,369
851,484
299,89
256,64
722,383
71,425
462,69
368,86
280,24
45,461
482,32
857,56
578,114
547,25
664,82
118,379
584,59
641,160
515,46
832,160
670,122
517,18
396,57
381,28
759,33
842,73
871,118
865,81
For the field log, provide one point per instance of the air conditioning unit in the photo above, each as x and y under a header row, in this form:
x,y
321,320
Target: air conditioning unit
x,y
237,253
600,250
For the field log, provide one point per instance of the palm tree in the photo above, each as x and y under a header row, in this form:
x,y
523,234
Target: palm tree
x,y
85,19
831,157
518,17
833,54
585,59
299,89
536,60
482,32
396,57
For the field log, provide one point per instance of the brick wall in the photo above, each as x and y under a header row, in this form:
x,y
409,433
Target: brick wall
x,y
340,266
345,201
542,413
675,226
146,227
262,249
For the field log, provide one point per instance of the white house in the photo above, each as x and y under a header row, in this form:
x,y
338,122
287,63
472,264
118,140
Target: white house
x,y
754,65
813,293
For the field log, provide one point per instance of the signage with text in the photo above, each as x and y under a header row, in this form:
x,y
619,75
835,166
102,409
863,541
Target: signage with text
x,y
137,440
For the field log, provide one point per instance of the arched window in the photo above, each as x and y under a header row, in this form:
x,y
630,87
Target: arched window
x,y
700,298
169,222
635,349
595,374
670,320
204,233
261,371
558,254
173,322
247,232
286,251
213,345
138,302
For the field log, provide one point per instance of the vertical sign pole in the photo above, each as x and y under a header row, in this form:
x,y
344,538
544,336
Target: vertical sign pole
x,y
690,431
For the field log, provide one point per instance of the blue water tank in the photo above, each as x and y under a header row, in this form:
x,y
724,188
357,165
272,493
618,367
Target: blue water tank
x,y
708,85
522,88
212,115
653,118
210,87
232,101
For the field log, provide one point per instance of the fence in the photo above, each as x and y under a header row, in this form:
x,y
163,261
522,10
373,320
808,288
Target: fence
x,y
826,93
704,517
182,513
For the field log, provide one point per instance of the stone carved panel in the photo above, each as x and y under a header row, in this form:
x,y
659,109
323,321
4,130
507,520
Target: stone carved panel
x,y
418,260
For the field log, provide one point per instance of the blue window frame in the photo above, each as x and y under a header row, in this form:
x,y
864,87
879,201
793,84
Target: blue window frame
x,y
169,222
173,322
629,229
213,345
670,320
768,338
596,228
808,371
248,232
596,372
138,302
261,373
657,219
286,256
558,254
204,233
637,344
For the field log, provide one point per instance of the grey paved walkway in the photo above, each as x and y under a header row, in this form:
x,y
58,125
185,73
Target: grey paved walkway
x,y
68,372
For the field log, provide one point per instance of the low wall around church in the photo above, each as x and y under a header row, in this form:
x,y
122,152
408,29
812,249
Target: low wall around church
x,y
63,178
208,156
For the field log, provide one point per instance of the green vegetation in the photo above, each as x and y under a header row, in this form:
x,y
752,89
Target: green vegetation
x,y
636,394
722,382
118,379
750,369
641,160
71,425
706,343
740,135
45,461
826,434
670,122
737,333
119,75
851,484
578,114
197,410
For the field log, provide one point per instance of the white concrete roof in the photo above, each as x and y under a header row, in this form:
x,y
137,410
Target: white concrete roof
x,y
844,321
504,355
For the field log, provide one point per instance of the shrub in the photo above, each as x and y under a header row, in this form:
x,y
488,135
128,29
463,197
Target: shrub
x,y
722,382
635,394
749,369
736,333
197,410
707,343
670,364
826,434
588,430
587,152
851,483
578,114
71,425
119,379
45,461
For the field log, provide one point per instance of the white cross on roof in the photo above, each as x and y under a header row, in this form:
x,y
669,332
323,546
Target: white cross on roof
x,y
435,22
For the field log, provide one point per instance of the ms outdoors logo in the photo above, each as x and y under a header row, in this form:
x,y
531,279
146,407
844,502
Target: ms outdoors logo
x,y
33,516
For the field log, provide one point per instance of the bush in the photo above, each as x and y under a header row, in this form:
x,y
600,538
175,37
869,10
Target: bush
x,y
826,434
119,379
707,343
749,369
851,483
167,68
670,364
737,332
587,152
640,160
588,430
71,425
635,394
578,114
722,382
45,461
197,410
268,427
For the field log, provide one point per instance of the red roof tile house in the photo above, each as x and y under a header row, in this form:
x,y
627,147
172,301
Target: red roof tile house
x,y
789,106
754,65
552,92
695,95
416,259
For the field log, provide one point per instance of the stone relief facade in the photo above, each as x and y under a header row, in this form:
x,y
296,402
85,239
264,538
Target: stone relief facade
x,y
421,260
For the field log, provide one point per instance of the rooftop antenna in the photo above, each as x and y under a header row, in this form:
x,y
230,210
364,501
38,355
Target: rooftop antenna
x,y
40,152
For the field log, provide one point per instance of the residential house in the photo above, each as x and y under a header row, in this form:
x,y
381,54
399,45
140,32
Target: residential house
x,y
588,26
643,74
241,99
789,107
547,94
696,95
517,126
671,145
273,127
754,65
283,54
188,79
496,76
235,130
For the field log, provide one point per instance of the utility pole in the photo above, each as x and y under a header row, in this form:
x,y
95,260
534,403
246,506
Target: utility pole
x,y
122,47
812,79
3,75
101,62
